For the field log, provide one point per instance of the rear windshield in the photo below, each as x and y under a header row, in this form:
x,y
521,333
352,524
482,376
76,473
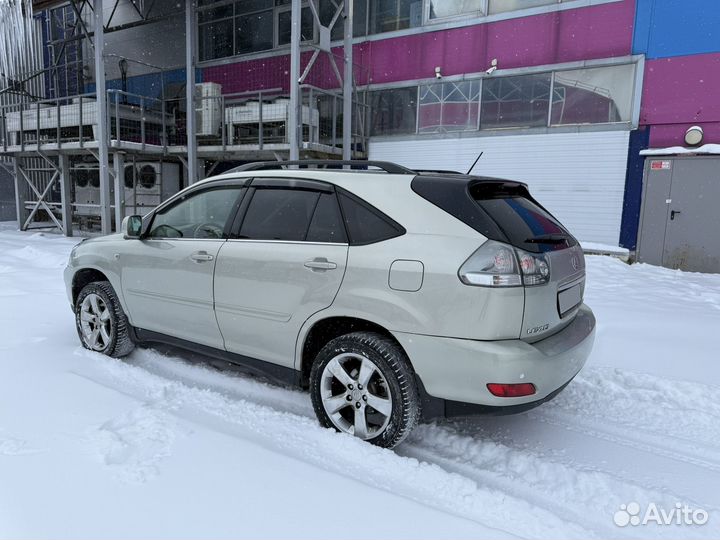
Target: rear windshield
x,y
498,209
525,223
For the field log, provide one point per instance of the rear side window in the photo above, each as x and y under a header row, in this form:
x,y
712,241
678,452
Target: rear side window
x,y
279,214
326,224
365,224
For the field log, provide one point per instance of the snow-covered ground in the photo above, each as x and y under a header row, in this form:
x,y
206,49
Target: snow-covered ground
x,y
157,446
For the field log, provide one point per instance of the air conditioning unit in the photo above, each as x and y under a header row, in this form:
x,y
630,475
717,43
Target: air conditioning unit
x,y
149,184
208,109
86,181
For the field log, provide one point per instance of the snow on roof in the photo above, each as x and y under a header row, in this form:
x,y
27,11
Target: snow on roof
x,y
680,150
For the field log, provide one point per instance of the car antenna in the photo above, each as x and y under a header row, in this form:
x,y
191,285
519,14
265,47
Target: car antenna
x,y
475,162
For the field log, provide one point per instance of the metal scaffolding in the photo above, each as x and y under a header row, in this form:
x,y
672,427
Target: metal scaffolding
x,y
47,141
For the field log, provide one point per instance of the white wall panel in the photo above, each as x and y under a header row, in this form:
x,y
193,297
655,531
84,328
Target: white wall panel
x,y
579,177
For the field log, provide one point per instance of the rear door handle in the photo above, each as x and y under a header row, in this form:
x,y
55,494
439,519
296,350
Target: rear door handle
x,y
320,264
673,213
201,256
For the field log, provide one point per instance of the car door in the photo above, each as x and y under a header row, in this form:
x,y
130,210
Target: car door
x,y
167,275
284,261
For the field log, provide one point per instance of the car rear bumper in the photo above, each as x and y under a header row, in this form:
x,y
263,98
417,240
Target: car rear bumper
x,y
453,373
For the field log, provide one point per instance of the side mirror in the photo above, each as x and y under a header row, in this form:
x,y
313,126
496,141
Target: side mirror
x,y
132,227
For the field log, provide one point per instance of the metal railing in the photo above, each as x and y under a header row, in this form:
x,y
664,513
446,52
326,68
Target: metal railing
x,y
256,120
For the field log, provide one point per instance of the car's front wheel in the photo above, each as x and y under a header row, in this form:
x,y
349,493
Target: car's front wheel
x,y
362,384
101,322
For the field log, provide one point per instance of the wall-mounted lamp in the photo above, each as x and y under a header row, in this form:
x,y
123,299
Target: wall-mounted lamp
x,y
438,74
493,67
694,135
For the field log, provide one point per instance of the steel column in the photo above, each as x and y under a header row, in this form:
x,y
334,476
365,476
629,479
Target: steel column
x,y
102,120
65,194
348,80
190,32
294,108
20,196
119,165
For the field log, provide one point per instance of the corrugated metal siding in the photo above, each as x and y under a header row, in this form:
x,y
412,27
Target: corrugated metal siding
x,y
36,87
579,177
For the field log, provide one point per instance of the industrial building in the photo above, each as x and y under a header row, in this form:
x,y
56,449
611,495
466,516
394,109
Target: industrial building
x,y
564,95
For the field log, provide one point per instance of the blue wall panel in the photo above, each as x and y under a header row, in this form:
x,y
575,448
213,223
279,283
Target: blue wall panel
x,y
639,140
665,28
148,85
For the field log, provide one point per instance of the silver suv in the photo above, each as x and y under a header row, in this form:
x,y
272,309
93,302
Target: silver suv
x,y
392,295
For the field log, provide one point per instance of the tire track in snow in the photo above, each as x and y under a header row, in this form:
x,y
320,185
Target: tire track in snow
x,y
299,436
565,491
586,496
677,420
645,442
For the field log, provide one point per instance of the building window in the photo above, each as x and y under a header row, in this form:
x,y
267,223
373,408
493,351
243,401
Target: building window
x,y
394,112
284,27
596,95
247,26
390,15
226,29
520,101
449,106
65,77
254,32
503,6
326,11
593,96
442,9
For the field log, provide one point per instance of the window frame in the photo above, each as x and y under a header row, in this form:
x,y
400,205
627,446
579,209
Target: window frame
x,y
300,184
427,21
278,10
635,82
184,195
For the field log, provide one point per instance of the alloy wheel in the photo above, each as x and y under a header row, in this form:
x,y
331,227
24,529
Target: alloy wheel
x,y
356,395
95,322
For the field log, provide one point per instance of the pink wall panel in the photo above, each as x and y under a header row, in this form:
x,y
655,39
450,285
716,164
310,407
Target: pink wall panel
x,y
576,34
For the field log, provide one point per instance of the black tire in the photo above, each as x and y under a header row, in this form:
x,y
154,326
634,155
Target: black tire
x,y
120,342
394,366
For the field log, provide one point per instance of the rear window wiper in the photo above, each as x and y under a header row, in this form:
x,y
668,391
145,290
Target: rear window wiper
x,y
552,238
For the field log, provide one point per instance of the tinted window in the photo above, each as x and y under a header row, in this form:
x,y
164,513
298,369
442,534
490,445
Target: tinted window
x,y
522,219
365,224
197,215
326,224
279,214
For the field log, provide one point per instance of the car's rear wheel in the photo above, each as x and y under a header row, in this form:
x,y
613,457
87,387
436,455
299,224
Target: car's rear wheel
x,y
101,322
362,384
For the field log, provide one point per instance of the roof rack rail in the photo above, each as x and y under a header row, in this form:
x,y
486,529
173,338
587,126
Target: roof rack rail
x,y
436,171
388,167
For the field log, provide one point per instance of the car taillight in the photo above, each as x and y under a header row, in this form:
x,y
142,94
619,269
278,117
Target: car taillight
x,y
511,390
493,265
496,264
534,268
